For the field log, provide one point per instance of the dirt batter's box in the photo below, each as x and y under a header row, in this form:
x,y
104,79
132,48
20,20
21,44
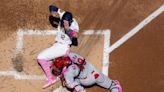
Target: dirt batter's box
x,y
30,42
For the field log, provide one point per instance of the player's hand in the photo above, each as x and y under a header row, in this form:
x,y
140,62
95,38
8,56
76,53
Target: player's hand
x,y
79,89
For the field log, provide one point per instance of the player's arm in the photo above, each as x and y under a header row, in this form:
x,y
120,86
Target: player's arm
x,y
69,75
76,58
73,36
61,13
72,32
55,15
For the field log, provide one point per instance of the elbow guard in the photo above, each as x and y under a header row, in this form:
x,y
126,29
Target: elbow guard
x,y
74,41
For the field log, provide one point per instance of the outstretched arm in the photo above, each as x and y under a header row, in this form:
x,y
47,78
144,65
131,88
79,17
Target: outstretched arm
x,y
69,74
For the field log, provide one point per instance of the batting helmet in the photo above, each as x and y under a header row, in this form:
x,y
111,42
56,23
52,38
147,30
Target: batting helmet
x,y
67,16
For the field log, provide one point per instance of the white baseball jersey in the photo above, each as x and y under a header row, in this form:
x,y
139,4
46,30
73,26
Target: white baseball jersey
x,y
88,75
74,26
61,36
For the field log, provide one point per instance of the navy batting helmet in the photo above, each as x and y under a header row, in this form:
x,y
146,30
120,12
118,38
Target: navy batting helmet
x,y
53,8
67,16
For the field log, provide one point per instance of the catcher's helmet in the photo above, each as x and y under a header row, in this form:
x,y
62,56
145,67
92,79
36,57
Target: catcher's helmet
x,y
67,16
58,65
60,62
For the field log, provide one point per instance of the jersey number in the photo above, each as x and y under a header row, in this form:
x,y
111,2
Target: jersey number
x,y
62,37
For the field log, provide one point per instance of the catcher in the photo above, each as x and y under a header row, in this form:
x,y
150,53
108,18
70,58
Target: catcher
x,y
75,73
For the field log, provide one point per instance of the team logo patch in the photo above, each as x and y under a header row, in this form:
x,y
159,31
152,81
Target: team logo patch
x,y
96,75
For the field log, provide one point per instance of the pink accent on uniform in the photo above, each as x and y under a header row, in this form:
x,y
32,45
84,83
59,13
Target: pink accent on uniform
x,y
46,68
64,71
49,83
118,85
67,53
75,90
72,34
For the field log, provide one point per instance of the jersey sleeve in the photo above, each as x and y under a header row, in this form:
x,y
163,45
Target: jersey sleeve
x,y
63,38
61,13
74,26
76,58
69,75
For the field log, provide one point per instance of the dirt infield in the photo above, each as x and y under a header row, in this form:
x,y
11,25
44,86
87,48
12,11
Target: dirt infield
x,y
137,63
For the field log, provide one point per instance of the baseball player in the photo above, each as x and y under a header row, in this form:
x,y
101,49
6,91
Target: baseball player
x,y
77,73
65,37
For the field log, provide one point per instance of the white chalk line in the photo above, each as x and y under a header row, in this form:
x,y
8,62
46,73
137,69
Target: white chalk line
x,y
21,76
19,46
105,68
19,42
136,29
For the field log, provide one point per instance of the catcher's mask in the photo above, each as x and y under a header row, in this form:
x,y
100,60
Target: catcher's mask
x,y
58,65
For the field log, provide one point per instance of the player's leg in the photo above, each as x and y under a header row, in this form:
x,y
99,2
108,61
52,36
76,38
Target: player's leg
x,y
48,54
45,65
88,80
78,88
107,83
54,51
